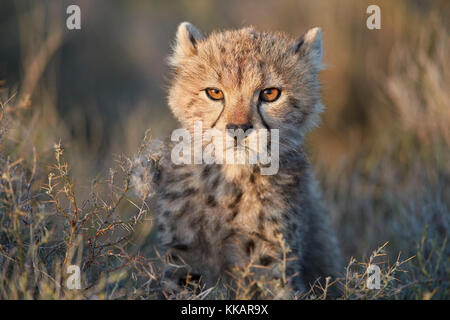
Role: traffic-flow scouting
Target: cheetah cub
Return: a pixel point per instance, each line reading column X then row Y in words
column 216, row 219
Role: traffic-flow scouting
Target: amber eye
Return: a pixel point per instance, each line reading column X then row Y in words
column 270, row 94
column 214, row 94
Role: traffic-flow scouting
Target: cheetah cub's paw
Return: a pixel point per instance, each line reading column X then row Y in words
column 146, row 168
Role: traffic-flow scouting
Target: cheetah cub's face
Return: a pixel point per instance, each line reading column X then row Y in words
column 247, row 79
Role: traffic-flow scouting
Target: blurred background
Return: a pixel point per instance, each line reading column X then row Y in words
column 381, row 152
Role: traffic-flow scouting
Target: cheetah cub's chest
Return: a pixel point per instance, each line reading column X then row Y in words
column 209, row 220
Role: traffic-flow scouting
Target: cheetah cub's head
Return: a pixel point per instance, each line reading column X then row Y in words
column 247, row 79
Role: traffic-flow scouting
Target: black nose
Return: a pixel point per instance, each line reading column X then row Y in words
column 244, row 126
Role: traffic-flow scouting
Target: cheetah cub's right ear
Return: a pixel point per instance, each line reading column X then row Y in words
column 186, row 42
column 309, row 47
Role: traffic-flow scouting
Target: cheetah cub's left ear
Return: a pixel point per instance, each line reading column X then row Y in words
column 309, row 47
column 186, row 42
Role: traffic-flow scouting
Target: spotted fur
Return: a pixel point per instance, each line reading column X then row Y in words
column 215, row 217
